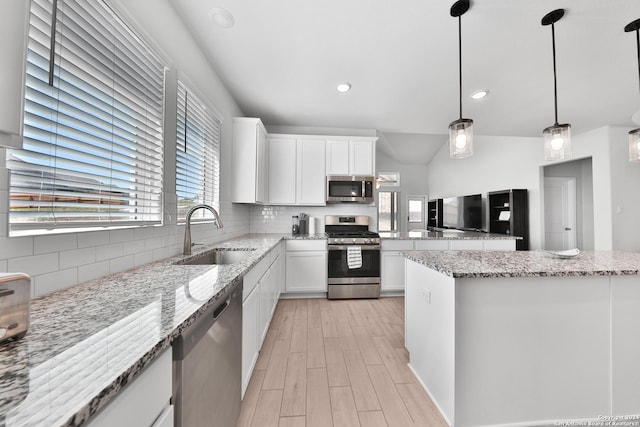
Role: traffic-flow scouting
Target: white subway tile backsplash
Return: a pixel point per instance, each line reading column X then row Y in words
column 77, row 257
column 109, row 251
column 117, row 265
column 55, row 243
column 51, row 282
column 134, row 247
column 35, row 265
column 142, row 258
column 15, row 247
column 154, row 243
column 143, row 233
column 93, row 271
column 122, row 235
column 277, row 219
column 62, row 260
column 93, row 238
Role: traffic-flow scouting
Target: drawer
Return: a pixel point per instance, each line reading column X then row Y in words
column 467, row 245
column 253, row 276
column 397, row 245
column 306, row 245
column 500, row 245
column 432, row 245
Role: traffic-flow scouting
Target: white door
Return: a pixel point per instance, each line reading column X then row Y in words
column 559, row 213
column 416, row 217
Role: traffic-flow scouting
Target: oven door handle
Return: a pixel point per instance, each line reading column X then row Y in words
column 344, row 247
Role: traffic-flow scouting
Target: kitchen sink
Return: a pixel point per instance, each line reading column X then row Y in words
column 218, row 256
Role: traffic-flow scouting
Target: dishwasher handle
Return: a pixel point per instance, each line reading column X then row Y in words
column 221, row 308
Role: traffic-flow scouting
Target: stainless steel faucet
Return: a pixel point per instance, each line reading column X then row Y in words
column 187, row 229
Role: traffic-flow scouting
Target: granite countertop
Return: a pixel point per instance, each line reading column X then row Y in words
column 87, row 342
column 444, row 235
column 480, row 264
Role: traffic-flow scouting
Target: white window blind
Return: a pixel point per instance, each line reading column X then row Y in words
column 92, row 152
column 197, row 154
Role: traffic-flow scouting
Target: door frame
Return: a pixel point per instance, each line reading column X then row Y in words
column 424, row 210
column 570, row 197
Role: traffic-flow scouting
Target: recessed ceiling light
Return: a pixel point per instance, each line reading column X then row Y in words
column 343, row 87
column 479, row 94
column 222, row 17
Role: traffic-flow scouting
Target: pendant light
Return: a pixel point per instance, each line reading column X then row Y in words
column 557, row 138
column 461, row 130
column 634, row 135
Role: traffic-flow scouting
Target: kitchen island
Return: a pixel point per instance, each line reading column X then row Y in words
column 524, row 338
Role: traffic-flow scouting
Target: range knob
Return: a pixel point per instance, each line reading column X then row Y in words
column 367, row 240
column 341, row 240
column 354, row 240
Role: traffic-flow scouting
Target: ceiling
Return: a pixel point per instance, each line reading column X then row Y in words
column 283, row 59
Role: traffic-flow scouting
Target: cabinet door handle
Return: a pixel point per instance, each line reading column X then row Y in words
column 567, row 228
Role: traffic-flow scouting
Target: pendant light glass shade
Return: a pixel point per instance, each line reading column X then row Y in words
column 557, row 142
column 461, row 138
column 634, row 145
column 634, row 135
column 461, row 130
column 557, row 138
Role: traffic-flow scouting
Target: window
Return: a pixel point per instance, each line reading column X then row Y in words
column 197, row 154
column 387, row 210
column 92, row 150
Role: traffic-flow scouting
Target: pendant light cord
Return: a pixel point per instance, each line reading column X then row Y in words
column 555, row 83
column 638, row 48
column 460, row 59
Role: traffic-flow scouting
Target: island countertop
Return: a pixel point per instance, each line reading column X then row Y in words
column 87, row 342
column 478, row 264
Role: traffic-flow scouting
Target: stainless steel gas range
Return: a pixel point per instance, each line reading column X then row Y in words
column 354, row 257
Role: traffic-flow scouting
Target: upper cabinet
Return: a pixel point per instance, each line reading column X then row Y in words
column 351, row 156
column 296, row 170
column 249, row 160
column 282, row 170
column 13, row 42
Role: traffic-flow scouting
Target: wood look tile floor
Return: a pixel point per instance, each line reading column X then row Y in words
column 338, row 363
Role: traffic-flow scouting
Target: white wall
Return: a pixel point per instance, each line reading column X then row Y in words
column 498, row 163
column 413, row 182
column 514, row 162
column 625, row 193
column 57, row 261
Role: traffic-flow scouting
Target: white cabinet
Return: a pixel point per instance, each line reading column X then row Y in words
column 311, row 187
column 392, row 259
column 296, row 170
column 13, row 41
column 392, row 264
column 261, row 290
column 250, row 346
column 337, row 157
column 249, row 160
column 306, row 266
column 282, row 171
column 351, row 156
column 144, row 402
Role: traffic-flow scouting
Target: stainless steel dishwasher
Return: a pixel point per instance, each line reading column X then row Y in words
column 207, row 369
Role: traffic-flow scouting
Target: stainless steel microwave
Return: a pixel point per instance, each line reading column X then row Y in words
column 350, row 188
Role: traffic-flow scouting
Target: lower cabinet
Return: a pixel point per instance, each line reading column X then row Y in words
column 306, row 266
column 392, row 258
column 261, row 290
column 144, row 402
